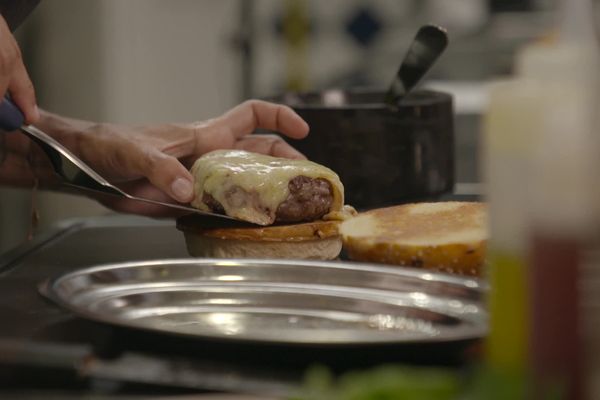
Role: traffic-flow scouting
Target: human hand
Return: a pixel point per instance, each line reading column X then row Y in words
column 153, row 161
column 14, row 77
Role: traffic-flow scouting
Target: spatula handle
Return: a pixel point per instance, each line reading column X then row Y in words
column 11, row 118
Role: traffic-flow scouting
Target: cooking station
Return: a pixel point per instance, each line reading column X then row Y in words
column 44, row 347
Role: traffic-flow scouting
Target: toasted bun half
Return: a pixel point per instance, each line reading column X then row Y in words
column 318, row 240
column 445, row 236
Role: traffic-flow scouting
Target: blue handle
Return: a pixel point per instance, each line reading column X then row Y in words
column 11, row 118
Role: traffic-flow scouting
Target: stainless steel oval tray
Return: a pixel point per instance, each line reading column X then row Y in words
column 275, row 301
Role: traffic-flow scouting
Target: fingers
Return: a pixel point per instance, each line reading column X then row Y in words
column 14, row 77
column 23, row 94
column 167, row 174
column 163, row 171
column 269, row 144
column 253, row 114
column 7, row 56
column 4, row 81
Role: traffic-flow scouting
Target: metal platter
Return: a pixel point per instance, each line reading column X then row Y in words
column 277, row 301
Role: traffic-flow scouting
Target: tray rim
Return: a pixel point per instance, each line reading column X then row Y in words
column 45, row 288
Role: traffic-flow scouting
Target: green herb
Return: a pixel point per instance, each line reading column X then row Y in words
column 383, row 383
column 396, row 382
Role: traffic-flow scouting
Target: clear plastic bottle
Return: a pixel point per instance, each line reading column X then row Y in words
column 542, row 157
column 508, row 144
column 562, row 197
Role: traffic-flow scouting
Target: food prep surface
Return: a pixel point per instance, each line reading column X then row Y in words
column 43, row 341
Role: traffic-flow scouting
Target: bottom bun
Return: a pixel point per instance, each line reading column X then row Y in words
column 317, row 240
column 204, row 246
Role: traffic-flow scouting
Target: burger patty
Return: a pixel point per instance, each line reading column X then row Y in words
column 309, row 199
column 212, row 203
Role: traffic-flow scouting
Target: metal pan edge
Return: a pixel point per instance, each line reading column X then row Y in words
column 47, row 289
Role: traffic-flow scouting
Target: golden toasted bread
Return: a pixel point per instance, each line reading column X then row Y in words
column 311, row 240
column 446, row 236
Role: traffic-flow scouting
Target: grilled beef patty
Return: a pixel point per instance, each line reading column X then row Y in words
column 309, row 199
column 212, row 203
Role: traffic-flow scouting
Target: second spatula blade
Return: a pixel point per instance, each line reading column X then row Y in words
column 428, row 44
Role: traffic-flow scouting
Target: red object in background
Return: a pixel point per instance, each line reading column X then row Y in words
column 556, row 340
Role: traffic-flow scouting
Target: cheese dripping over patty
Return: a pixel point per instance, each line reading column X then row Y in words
column 251, row 186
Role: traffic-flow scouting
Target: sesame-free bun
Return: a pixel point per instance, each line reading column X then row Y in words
column 445, row 236
column 317, row 240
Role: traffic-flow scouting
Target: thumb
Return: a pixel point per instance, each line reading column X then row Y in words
column 169, row 175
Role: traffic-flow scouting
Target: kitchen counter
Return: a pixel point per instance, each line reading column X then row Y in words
column 45, row 347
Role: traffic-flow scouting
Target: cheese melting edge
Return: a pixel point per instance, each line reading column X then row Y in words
column 264, row 180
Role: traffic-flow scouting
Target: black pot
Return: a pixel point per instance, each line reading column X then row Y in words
column 383, row 156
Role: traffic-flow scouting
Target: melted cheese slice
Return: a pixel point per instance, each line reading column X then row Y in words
column 251, row 186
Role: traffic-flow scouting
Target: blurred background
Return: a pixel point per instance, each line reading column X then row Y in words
column 183, row 60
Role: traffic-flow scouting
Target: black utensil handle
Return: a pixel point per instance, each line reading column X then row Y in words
column 428, row 44
column 11, row 118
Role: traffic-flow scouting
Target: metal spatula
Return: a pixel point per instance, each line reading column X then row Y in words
column 69, row 169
